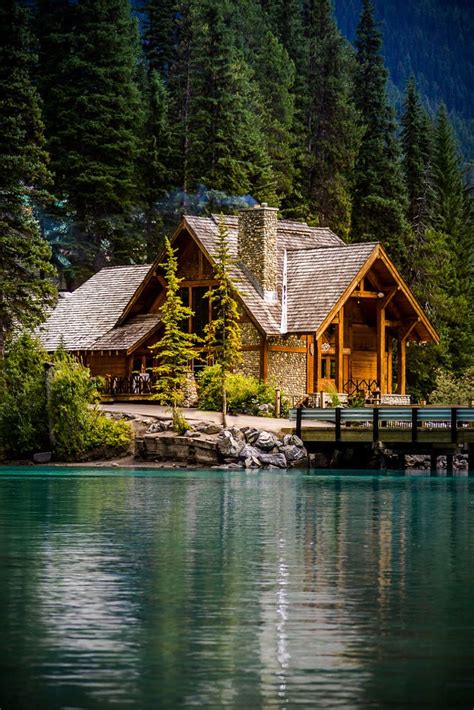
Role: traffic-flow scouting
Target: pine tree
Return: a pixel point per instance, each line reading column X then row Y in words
column 275, row 74
column 155, row 160
column 223, row 332
column 379, row 199
column 159, row 35
column 219, row 118
column 448, row 179
column 93, row 139
column 331, row 121
column 417, row 147
column 26, row 288
column 176, row 348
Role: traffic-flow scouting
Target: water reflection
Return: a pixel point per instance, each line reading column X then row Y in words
column 234, row 590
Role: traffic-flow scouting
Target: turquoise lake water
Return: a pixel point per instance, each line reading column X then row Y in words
column 170, row 589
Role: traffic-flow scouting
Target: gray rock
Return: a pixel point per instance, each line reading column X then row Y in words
column 248, row 451
column 277, row 460
column 252, row 435
column 192, row 434
column 266, row 408
column 42, row 457
column 266, row 441
column 252, row 462
column 293, row 453
column 227, row 445
column 212, row 429
column 293, row 440
column 236, row 433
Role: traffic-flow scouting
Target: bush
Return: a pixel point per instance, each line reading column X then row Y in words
column 77, row 426
column 245, row 394
column 23, row 420
column 451, row 390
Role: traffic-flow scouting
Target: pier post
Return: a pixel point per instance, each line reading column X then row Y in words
column 338, row 424
column 414, row 425
column 454, row 425
column 449, row 464
column 298, row 421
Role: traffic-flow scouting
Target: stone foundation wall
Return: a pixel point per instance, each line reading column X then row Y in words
column 250, row 364
column 288, row 370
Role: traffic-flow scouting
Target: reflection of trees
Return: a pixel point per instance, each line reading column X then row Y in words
column 242, row 590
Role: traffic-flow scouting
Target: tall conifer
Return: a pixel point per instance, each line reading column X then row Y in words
column 379, row 199
column 417, row 146
column 25, row 273
column 94, row 137
column 331, row 121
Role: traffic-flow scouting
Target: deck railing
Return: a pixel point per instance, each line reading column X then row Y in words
column 377, row 418
column 135, row 384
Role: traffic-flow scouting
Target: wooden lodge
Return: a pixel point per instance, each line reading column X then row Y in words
column 317, row 314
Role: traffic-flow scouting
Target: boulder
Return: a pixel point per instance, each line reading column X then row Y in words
column 227, row 445
column 266, row 441
column 293, row 440
column 249, row 451
column 252, row 462
column 212, row 429
column 192, row 434
column 277, row 460
column 293, row 453
column 251, row 435
column 42, row 457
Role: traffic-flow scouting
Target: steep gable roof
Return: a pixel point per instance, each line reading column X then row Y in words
column 92, row 310
column 290, row 235
column 317, row 278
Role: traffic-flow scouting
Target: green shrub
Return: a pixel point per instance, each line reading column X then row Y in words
column 23, row 420
column 451, row 390
column 77, row 426
column 244, row 393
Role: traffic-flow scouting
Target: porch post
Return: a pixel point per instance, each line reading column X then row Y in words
column 310, row 344
column 264, row 359
column 317, row 363
column 402, row 363
column 340, row 352
column 381, row 373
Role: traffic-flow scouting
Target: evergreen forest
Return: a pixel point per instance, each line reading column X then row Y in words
column 116, row 118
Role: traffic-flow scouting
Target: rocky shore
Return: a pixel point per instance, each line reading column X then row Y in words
column 229, row 448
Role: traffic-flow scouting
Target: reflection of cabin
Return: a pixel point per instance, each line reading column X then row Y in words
column 316, row 312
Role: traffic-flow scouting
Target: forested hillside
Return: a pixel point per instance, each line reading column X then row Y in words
column 433, row 40
column 119, row 121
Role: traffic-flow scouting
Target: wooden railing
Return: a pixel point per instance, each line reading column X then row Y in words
column 413, row 418
column 360, row 387
column 135, row 384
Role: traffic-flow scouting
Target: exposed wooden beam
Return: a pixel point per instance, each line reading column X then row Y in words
column 310, row 363
column 340, row 352
column 287, row 348
column 317, row 362
column 381, row 375
column 394, row 323
column 389, row 296
column 364, row 294
column 402, row 365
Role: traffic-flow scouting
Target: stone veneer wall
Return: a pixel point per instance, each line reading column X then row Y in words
column 251, row 358
column 288, row 370
column 250, row 364
column 257, row 245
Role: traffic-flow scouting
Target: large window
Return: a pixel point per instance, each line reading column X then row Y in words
column 196, row 298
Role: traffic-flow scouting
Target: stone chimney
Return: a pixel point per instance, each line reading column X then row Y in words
column 257, row 247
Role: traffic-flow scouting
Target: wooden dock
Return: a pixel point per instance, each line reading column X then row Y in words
column 434, row 431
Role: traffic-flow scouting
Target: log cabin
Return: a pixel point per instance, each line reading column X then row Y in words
column 316, row 314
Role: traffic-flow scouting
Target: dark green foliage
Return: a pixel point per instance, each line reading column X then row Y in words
column 379, row 202
column 159, row 35
column 176, row 347
column 331, row 120
column 155, row 160
column 25, row 286
column 244, row 394
column 222, row 132
column 23, row 420
column 93, row 139
column 417, row 146
column 223, row 332
column 78, row 429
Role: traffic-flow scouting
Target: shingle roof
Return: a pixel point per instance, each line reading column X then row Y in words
column 290, row 236
column 317, row 278
column 92, row 310
column 123, row 337
column 320, row 268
